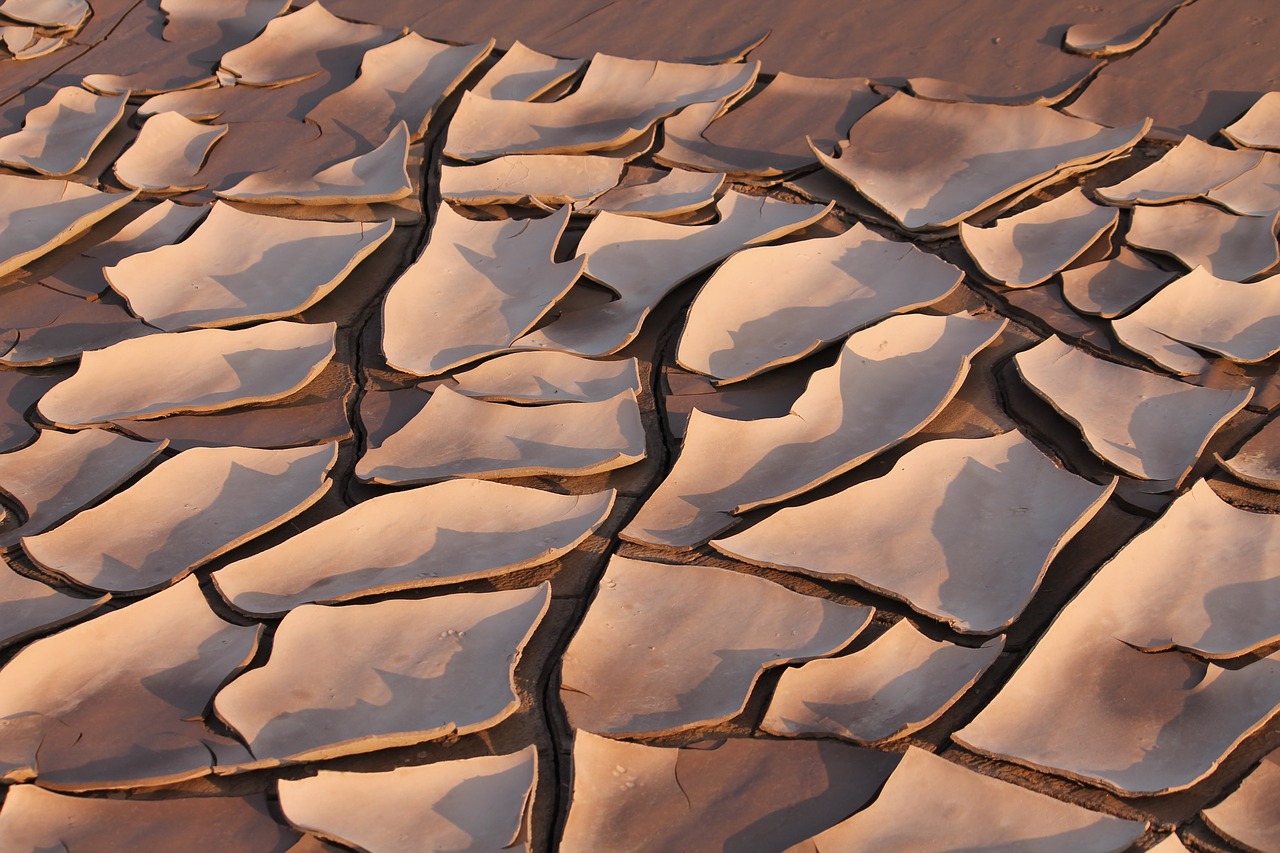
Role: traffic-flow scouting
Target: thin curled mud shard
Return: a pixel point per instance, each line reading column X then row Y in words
column 55, row 14
column 930, row 164
column 196, row 505
column 21, row 389
column 1112, row 38
column 118, row 701
column 671, row 194
column 475, row 289
column 200, row 371
column 1110, row 288
column 524, row 74
column 60, row 473
column 765, row 136
column 34, row 819
column 1260, row 126
column 453, row 531
column 771, row 305
column 889, row 381
column 617, row 102
column 29, row 607
column 1146, row 425
column 1151, row 625
column 361, row 677
column 1200, row 311
column 159, row 225
column 290, row 47
column 36, row 46
column 738, row 795
column 57, row 138
column 479, row 804
column 1030, row 247
column 47, row 326
column 380, row 175
column 1248, row 815
column 897, row 685
column 642, row 261
column 667, row 648
column 38, row 215
column 168, row 154
column 1191, row 169
column 404, row 81
column 962, row 530
column 196, row 34
column 1256, row 192
column 1183, row 597
column 458, row 436
column 277, row 268
column 548, row 377
column 540, row 179
column 1257, row 462
column 983, row 814
column 1228, row 246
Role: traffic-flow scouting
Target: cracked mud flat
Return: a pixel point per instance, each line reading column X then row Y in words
column 639, row 426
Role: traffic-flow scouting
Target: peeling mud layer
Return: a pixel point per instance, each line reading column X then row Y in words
column 639, row 426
